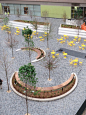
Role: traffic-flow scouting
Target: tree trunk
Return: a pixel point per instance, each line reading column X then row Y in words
column 12, row 50
column 7, row 79
column 12, row 45
column 49, row 73
column 29, row 53
column 26, row 99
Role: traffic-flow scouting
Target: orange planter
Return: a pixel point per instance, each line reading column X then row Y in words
column 83, row 27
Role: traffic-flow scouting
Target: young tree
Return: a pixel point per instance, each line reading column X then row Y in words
column 6, row 66
column 18, row 14
column 35, row 24
column 12, row 43
column 27, row 74
column 6, row 29
column 45, row 14
column 5, row 20
column 64, row 16
column 31, row 14
column 78, row 16
column 49, row 63
column 47, row 34
column 26, row 32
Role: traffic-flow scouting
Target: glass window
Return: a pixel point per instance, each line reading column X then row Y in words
column 6, row 9
column 25, row 10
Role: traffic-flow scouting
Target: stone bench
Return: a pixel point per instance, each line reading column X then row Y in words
column 45, row 88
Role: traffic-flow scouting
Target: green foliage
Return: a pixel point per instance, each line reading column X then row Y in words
column 78, row 13
column 26, row 31
column 36, row 92
column 27, row 73
column 5, row 20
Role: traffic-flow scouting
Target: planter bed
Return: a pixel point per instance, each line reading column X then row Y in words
column 32, row 22
column 70, row 26
column 71, row 31
column 45, row 93
column 21, row 25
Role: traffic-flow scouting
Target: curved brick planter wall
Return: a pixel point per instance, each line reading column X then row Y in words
column 73, row 75
column 45, row 88
column 39, row 52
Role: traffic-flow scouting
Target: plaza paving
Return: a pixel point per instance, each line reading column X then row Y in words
column 12, row 104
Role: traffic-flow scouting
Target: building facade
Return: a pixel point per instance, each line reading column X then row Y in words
column 55, row 9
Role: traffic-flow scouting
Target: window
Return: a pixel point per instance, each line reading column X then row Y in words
column 77, row 12
column 25, row 10
column 6, row 9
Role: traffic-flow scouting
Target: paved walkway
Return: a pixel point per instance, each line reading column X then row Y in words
column 12, row 104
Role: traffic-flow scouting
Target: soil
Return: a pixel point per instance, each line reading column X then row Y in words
column 44, row 94
column 70, row 26
column 32, row 22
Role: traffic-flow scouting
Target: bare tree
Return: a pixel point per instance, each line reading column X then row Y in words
column 12, row 42
column 49, row 63
column 35, row 24
column 45, row 14
column 31, row 14
column 18, row 14
column 64, row 16
column 6, row 65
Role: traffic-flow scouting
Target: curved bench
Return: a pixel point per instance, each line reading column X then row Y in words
column 45, row 88
column 39, row 51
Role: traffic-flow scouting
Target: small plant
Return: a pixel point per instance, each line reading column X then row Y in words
column 20, row 85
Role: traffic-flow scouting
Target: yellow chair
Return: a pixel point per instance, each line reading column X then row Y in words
column 53, row 56
column 70, row 44
column 57, row 55
column 84, row 40
column 42, row 39
column 75, row 39
column 83, row 48
column 71, row 63
column 63, row 52
column 62, row 42
column 79, row 39
column 80, row 48
column 80, row 63
column 75, row 64
column 67, row 37
column 73, row 44
column 57, row 40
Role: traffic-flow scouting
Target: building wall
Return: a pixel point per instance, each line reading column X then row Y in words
column 0, row 8
column 56, row 11
column 34, row 9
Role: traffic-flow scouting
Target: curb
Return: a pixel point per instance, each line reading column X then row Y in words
column 48, row 99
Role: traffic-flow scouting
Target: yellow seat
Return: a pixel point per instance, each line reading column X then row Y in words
column 67, row 37
column 73, row 44
column 53, row 56
column 80, row 63
column 75, row 64
column 57, row 39
column 62, row 42
column 63, row 52
column 57, row 55
column 65, row 56
column 80, row 48
column 79, row 39
column 75, row 39
column 71, row 62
